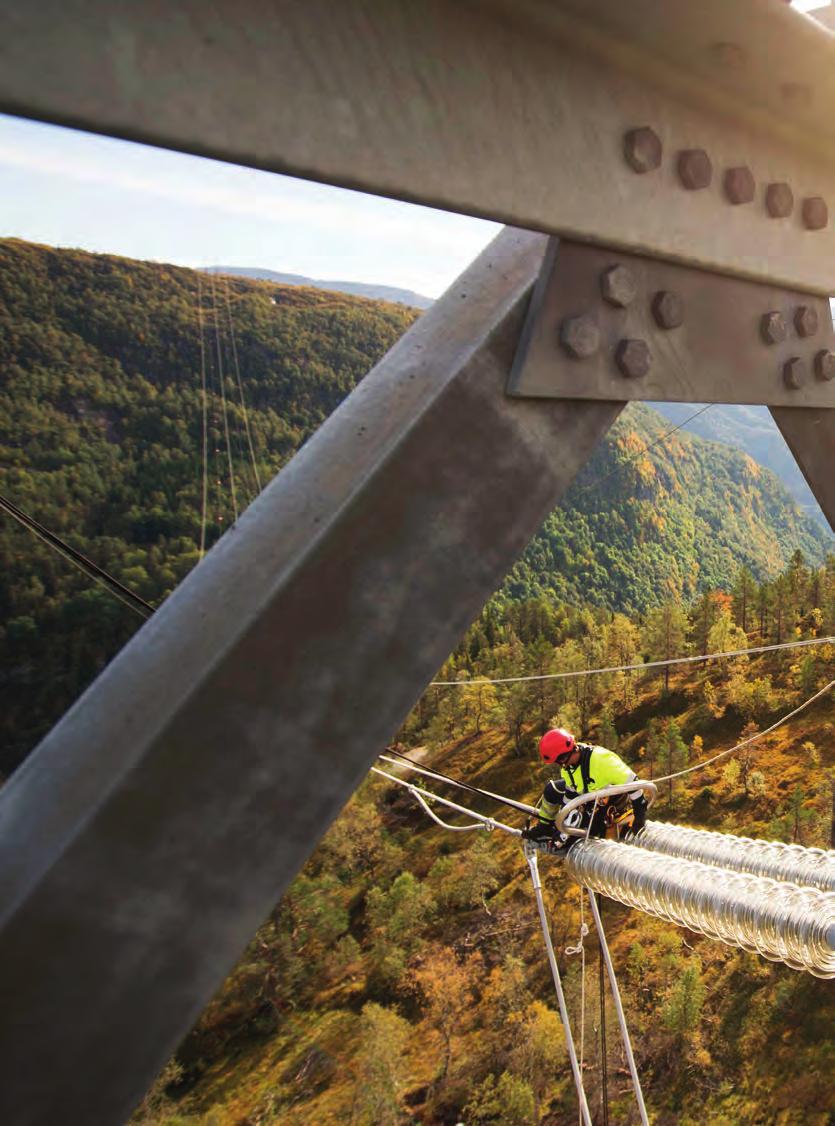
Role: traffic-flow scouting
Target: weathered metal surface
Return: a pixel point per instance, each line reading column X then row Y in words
column 517, row 110
column 153, row 829
column 682, row 335
column 810, row 435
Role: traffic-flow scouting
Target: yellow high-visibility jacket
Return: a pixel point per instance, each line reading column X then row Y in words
column 598, row 767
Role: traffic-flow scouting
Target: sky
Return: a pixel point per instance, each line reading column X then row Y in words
column 67, row 188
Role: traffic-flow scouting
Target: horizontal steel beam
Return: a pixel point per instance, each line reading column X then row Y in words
column 512, row 109
column 153, row 829
column 604, row 325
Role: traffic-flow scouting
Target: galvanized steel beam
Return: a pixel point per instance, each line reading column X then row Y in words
column 153, row 829
column 518, row 110
column 810, row 435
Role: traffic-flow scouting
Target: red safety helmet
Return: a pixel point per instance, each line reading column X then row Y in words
column 556, row 744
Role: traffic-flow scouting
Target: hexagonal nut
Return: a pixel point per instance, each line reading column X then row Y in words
column 825, row 365
column 806, row 320
column 779, row 201
column 580, row 337
column 815, row 213
column 739, row 184
column 694, row 169
column 794, row 373
column 633, row 358
column 668, row 309
column 773, row 328
column 643, row 149
column 618, row 286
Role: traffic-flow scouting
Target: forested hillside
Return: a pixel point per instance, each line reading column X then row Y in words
column 403, row 978
column 101, row 440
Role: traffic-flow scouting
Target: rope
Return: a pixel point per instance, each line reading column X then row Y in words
column 829, row 640
column 490, row 822
column 624, row 1031
column 223, row 401
column 87, row 566
column 205, row 417
column 585, row 1116
column 240, row 386
column 444, row 824
column 751, row 738
column 644, row 449
column 521, row 806
column 604, row 1063
column 580, row 949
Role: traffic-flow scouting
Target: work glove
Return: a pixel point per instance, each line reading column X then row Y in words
column 539, row 831
column 639, row 815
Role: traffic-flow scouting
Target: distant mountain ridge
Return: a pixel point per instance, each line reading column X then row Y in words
column 357, row 289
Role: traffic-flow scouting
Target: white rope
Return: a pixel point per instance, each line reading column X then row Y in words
column 444, row 824
column 580, row 949
column 624, row 1031
column 205, row 416
column 240, row 386
column 750, row 739
column 533, row 863
column 632, row 668
column 523, row 807
column 223, row 401
column 490, row 822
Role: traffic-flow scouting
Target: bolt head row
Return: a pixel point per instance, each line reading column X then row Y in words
column 580, row 337
column 795, row 370
column 643, row 151
column 775, row 330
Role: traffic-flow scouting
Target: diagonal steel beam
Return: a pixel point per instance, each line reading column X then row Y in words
column 517, row 110
column 810, row 435
column 153, row 829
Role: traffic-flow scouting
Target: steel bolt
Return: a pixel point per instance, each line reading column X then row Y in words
column 806, row 320
column 825, row 365
column 633, row 358
column 694, row 169
column 773, row 328
column 779, row 201
column 668, row 309
column 815, row 213
column 618, row 287
column 739, row 184
column 580, row 337
column 642, row 149
column 794, row 373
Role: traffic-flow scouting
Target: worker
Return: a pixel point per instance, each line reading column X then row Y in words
column 585, row 768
